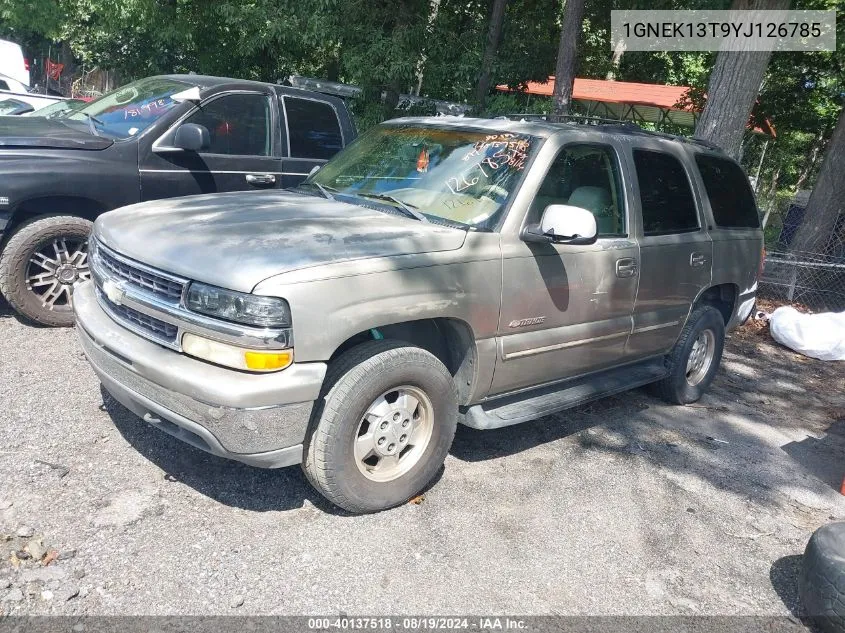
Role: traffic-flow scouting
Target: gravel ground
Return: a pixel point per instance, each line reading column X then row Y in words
column 626, row 506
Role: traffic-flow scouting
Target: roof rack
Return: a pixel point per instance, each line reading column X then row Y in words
column 629, row 127
column 321, row 85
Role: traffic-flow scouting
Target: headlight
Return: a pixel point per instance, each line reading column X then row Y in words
column 237, row 357
column 238, row 306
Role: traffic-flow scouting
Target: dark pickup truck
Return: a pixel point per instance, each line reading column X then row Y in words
column 159, row 137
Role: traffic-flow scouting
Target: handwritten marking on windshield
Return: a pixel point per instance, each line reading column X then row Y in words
column 510, row 150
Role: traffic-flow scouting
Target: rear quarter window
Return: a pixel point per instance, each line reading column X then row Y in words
column 729, row 192
column 313, row 128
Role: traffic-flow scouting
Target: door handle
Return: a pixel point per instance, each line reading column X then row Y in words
column 697, row 259
column 626, row 267
column 261, row 180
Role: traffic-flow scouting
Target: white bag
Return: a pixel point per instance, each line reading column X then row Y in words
column 820, row 336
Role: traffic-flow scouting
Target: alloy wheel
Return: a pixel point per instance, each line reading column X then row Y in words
column 701, row 357
column 55, row 268
column 393, row 433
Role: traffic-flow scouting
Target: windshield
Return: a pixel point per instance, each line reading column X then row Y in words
column 129, row 110
column 459, row 175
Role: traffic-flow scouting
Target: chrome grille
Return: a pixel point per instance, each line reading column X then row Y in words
column 156, row 284
column 154, row 328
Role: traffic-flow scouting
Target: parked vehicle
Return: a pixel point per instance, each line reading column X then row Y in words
column 14, row 107
column 158, row 137
column 12, row 89
column 12, row 62
column 438, row 270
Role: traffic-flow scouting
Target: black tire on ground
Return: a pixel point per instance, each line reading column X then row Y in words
column 30, row 237
column 821, row 585
column 676, row 387
column 354, row 381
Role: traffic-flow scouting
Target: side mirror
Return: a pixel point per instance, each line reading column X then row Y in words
column 563, row 224
column 192, row 137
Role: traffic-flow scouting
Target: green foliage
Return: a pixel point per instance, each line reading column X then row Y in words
column 395, row 46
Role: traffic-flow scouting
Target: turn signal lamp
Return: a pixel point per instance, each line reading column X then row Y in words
column 234, row 356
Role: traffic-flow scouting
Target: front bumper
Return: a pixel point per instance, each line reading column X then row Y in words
column 258, row 419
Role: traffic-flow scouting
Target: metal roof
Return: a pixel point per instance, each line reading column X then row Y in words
column 628, row 101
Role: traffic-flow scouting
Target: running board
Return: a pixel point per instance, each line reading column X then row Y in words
column 530, row 405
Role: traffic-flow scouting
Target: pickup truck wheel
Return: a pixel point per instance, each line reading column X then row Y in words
column 694, row 360
column 383, row 427
column 40, row 265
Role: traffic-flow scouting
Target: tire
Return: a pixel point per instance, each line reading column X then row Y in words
column 356, row 381
column 681, row 386
column 46, row 234
column 821, row 585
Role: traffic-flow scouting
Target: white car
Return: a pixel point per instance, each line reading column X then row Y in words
column 12, row 62
column 15, row 90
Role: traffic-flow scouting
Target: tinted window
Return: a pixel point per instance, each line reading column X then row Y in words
column 3, row 85
column 729, row 192
column 238, row 124
column 313, row 128
column 585, row 176
column 665, row 194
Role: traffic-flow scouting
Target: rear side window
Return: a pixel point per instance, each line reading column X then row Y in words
column 313, row 129
column 665, row 195
column 729, row 192
column 3, row 85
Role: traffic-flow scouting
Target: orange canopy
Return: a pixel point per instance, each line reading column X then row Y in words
column 626, row 100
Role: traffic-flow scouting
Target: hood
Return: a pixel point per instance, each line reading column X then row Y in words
column 33, row 131
column 236, row 240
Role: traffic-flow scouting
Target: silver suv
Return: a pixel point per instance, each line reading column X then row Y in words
column 438, row 270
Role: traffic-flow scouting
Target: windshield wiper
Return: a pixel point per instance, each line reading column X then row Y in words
column 91, row 120
column 321, row 188
column 409, row 210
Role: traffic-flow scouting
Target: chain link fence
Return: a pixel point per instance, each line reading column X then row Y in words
column 815, row 279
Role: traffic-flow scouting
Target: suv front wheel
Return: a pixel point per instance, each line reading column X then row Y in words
column 383, row 426
column 694, row 360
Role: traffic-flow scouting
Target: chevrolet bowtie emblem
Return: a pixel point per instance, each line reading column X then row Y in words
column 113, row 291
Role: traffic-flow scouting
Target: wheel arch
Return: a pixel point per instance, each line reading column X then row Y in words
column 77, row 206
column 451, row 340
column 723, row 297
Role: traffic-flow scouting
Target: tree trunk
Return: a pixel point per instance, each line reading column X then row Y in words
column 567, row 55
column 616, row 60
column 394, row 85
column 818, row 143
column 491, row 47
column 434, row 10
column 827, row 201
column 733, row 87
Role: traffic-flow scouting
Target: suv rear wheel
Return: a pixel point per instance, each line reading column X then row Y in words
column 695, row 358
column 383, row 427
column 40, row 265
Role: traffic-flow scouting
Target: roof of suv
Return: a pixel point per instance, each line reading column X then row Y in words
column 545, row 129
column 208, row 81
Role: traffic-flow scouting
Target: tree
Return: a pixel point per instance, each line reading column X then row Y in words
column 491, row 46
column 827, row 201
column 733, row 88
column 567, row 55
